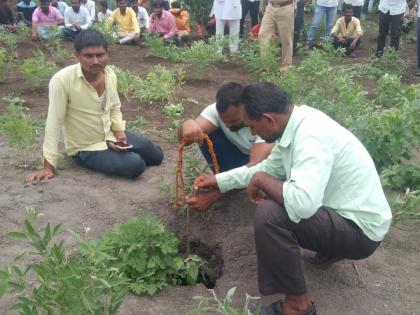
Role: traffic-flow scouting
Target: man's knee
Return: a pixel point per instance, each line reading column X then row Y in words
column 269, row 213
column 135, row 167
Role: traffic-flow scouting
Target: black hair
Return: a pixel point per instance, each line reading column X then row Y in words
column 176, row 5
column 44, row 1
column 264, row 97
column 347, row 6
column 228, row 94
column 157, row 3
column 89, row 38
column 104, row 3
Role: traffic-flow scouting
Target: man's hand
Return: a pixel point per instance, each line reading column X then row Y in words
column 255, row 193
column 34, row 37
column 121, row 136
column 191, row 132
column 203, row 200
column 341, row 39
column 77, row 27
column 205, row 181
column 47, row 172
column 353, row 45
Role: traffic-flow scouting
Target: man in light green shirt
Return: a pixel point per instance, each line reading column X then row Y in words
column 85, row 105
column 318, row 189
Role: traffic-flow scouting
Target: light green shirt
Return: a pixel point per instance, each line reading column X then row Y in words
column 75, row 109
column 323, row 165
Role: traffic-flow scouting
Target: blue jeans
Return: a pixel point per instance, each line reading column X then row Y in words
column 320, row 10
column 227, row 154
column 128, row 164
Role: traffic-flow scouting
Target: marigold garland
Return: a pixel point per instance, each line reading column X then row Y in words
column 179, row 170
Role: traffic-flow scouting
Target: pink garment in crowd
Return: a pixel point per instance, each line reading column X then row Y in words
column 51, row 18
column 165, row 25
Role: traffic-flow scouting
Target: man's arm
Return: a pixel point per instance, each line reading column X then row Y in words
column 117, row 122
column 87, row 22
column 55, row 119
column 67, row 22
column 134, row 22
column 259, row 152
column 172, row 28
column 191, row 131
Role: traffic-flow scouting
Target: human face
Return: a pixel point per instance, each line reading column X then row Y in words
column 157, row 11
column 44, row 7
column 26, row 1
column 232, row 118
column 93, row 59
column 75, row 4
column 122, row 5
column 267, row 127
column 348, row 15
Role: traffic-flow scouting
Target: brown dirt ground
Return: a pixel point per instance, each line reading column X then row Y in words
column 388, row 282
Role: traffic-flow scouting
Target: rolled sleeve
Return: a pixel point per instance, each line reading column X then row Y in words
column 55, row 120
column 303, row 193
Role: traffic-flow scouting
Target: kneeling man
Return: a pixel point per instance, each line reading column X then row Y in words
column 84, row 103
column 318, row 189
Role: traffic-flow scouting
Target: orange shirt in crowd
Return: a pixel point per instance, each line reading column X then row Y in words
column 182, row 19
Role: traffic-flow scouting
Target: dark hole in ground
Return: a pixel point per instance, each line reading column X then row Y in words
column 212, row 269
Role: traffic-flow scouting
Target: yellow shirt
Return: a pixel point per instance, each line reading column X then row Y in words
column 352, row 30
column 76, row 110
column 127, row 23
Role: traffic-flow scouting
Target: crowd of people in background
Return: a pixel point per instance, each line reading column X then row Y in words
column 282, row 19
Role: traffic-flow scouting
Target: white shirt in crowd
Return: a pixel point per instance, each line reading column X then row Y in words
column 62, row 6
column 355, row 3
column 227, row 9
column 242, row 139
column 102, row 17
column 90, row 6
column 143, row 17
column 327, row 3
column 81, row 18
column 394, row 7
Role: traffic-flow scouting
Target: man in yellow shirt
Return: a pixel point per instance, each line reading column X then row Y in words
column 84, row 104
column 128, row 27
column 347, row 31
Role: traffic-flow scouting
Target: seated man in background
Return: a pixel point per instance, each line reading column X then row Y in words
column 76, row 19
column 142, row 17
column 7, row 20
column 60, row 5
column 46, row 20
column 128, row 28
column 233, row 143
column 182, row 19
column 104, row 13
column 347, row 31
column 90, row 6
column 26, row 8
column 84, row 103
column 162, row 22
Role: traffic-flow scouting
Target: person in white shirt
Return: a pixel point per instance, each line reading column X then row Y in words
column 228, row 12
column 90, row 6
column 391, row 12
column 357, row 7
column 60, row 5
column 76, row 19
column 327, row 8
column 142, row 17
column 104, row 12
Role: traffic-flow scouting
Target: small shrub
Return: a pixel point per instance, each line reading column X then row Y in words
column 401, row 177
column 390, row 62
column 389, row 90
column 9, row 41
column 124, row 81
column 107, row 31
column 157, row 48
column 37, row 68
column 406, row 206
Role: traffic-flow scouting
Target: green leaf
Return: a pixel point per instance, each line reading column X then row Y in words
column 47, row 234
column 15, row 234
column 3, row 287
column 56, row 229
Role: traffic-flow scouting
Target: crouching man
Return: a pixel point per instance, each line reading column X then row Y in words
column 318, row 190
column 84, row 103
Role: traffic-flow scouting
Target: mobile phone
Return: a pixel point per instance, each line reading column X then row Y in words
column 123, row 146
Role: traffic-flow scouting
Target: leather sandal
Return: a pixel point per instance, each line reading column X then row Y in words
column 272, row 309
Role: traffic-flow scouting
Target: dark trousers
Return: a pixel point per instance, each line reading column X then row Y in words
column 277, row 240
column 385, row 20
column 254, row 9
column 418, row 43
column 70, row 34
column 299, row 21
column 128, row 164
column 346, row 45
column 227, row 154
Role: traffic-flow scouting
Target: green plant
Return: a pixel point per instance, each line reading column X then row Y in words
column 107, row 31
column 136, row 123
column 160, row 84
column 54, row 283
column 19, row 129
column 37, row 68
column 401, row 177
column 201, row 55
column 173, row 111
column 157, row 48
column 406, row 207
column 390, row 62
column 199, row 10
column 389, row 90
column 9, row 41
column 54, row 45
column 124, row 81
column 4, row 62
column 214, row 305
column 259, row 63
column 148, row 255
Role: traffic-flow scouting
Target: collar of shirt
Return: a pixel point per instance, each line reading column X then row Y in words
column 24, row 5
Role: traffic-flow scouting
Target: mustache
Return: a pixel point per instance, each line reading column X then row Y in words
column 95, row 67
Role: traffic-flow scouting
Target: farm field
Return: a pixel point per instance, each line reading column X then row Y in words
column 385, row 283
